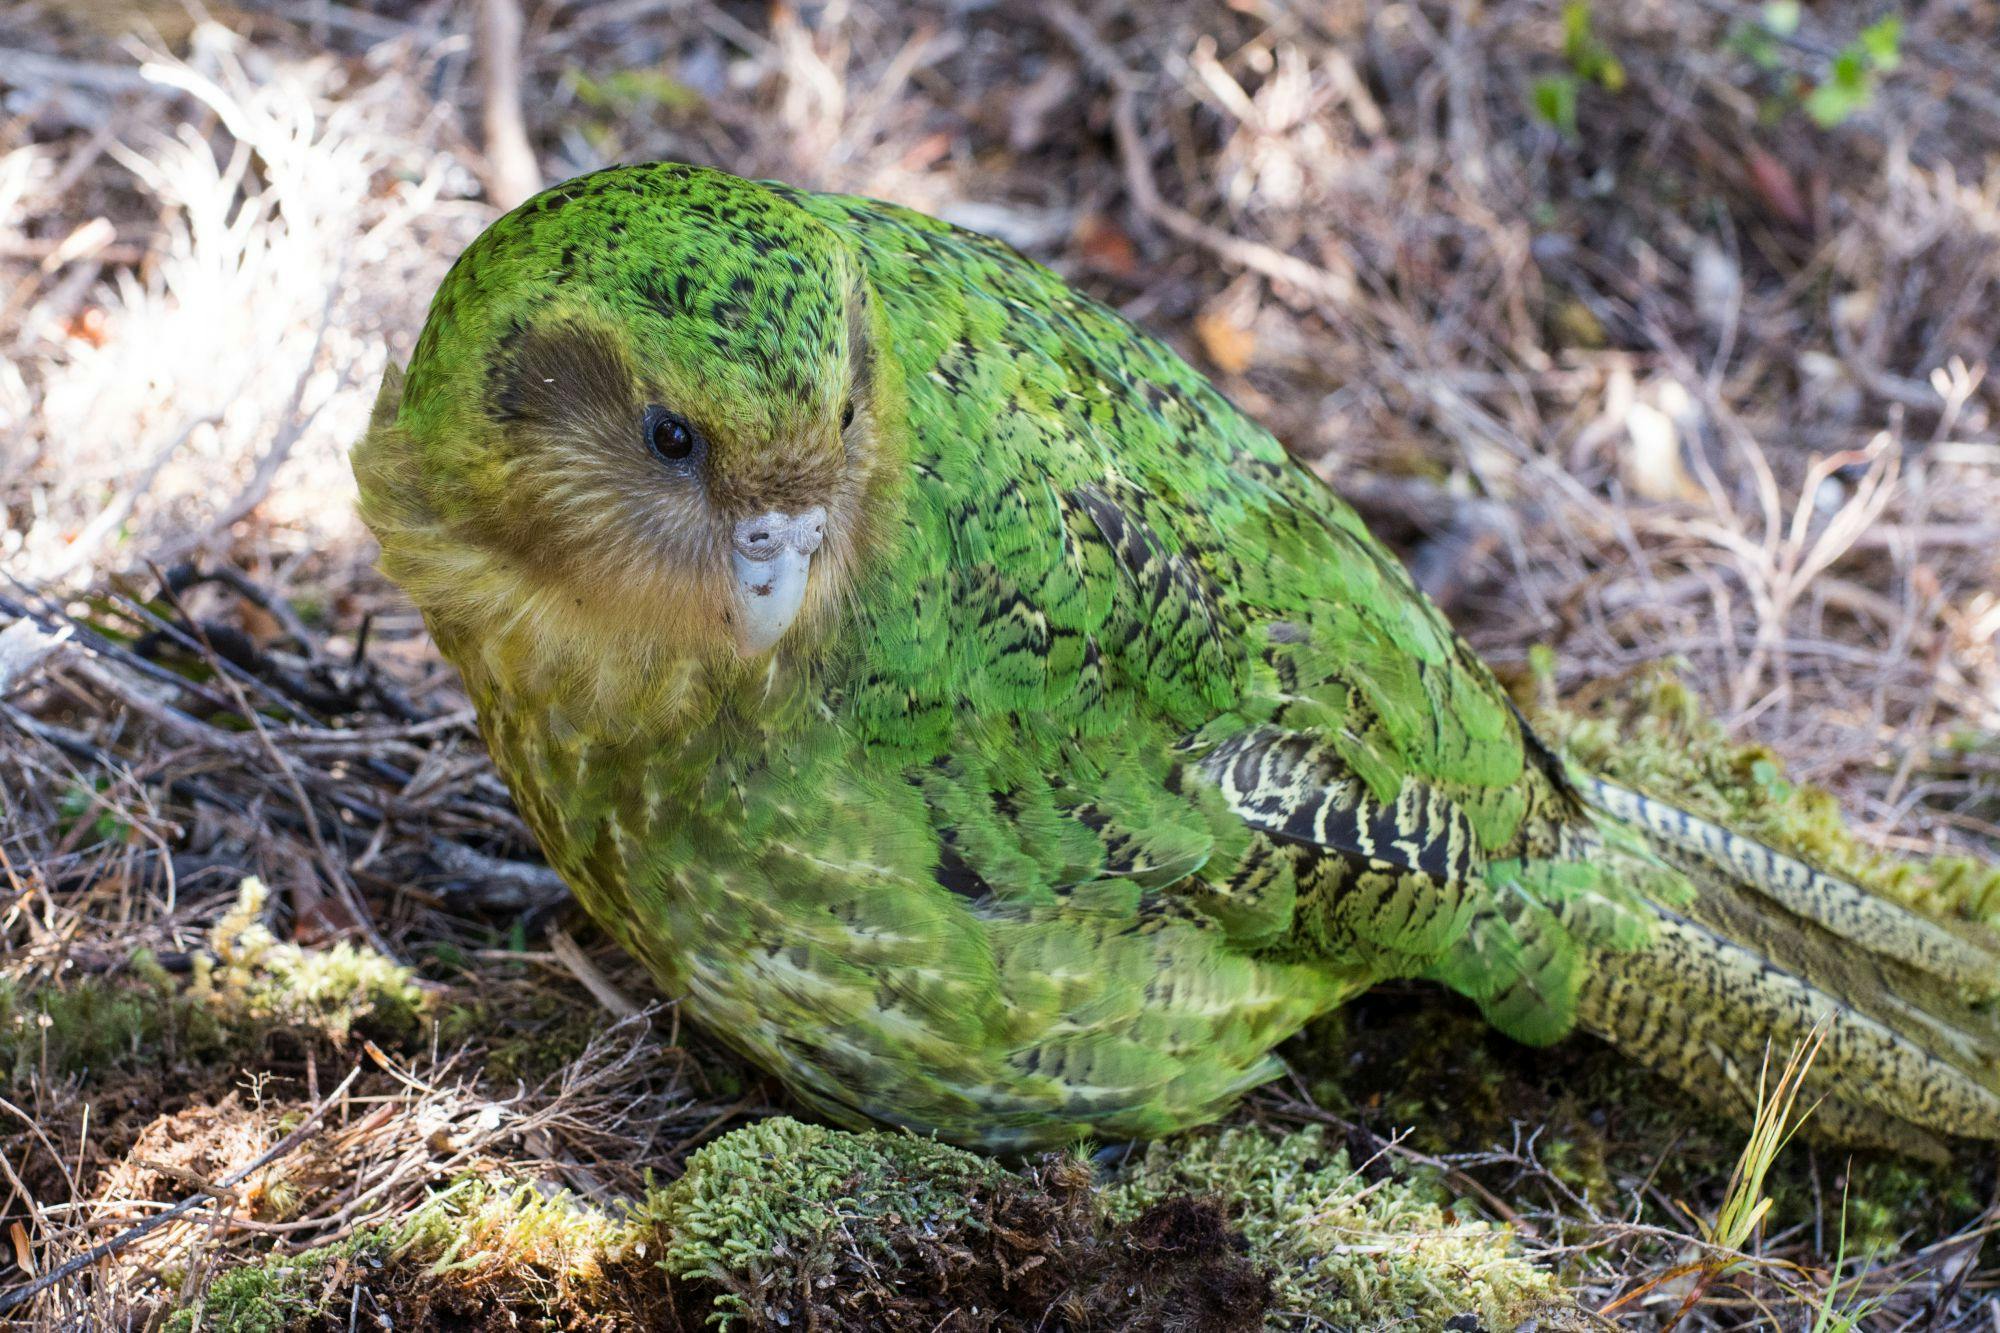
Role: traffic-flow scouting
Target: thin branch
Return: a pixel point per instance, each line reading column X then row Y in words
column 512, row 175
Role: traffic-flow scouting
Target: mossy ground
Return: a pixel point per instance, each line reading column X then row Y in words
column 788, row 1225
column 1347, row 1248
column 1577, row 1124
column 476, row 1255
column 773, row 1225
column 245, row 991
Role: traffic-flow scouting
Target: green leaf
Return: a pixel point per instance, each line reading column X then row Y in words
column 79, row 800
column 1588, row 57
column 1553, row 100
column 1848, row 88
column 628, row 90
column 1829, row 105
column 1781, row 17
column 1754, row 43
column 1766, row 775
column 75, row 802
column 447, row 954
column 1577, row 37
column 1882, row 43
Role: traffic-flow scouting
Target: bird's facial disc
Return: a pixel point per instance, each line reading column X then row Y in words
column 771, row 558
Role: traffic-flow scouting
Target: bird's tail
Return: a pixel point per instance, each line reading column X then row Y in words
column 1750, row 949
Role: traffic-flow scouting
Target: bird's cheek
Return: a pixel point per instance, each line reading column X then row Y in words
column 771, row 561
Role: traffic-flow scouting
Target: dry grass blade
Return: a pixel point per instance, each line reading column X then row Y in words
column 1777, row 1119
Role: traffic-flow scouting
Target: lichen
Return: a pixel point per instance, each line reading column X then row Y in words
column 1653, row 734
column 1347, row 1251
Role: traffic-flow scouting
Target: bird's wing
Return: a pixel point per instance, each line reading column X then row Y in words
column 1130, row 645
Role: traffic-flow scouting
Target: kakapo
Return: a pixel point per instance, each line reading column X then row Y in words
column 986, row 726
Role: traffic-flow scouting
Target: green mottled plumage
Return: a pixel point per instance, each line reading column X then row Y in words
column 1109, row 747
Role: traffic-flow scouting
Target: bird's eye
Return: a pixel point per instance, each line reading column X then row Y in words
column 670, row 437
column 847, row 414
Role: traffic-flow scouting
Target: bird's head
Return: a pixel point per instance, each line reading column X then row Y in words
column 651, row 420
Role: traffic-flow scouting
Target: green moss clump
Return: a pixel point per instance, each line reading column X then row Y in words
column 258, row 982
column 269, row 1297
column 1655, row 737
column 783, row 1224
column 788, row 1224
column 90, row 1025
column 545, row 1260
column 1346, row 1251
column 252, row 987
column 782, row 1197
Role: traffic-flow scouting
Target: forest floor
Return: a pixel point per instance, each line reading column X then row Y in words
column 1655, row 336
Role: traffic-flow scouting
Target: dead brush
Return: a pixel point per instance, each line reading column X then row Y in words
column 235, row 352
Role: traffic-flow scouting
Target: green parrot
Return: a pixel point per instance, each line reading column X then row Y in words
column 983, row 725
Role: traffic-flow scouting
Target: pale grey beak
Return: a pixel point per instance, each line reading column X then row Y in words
column 772, row 557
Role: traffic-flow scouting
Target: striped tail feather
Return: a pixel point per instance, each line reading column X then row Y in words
column 1764, row 949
